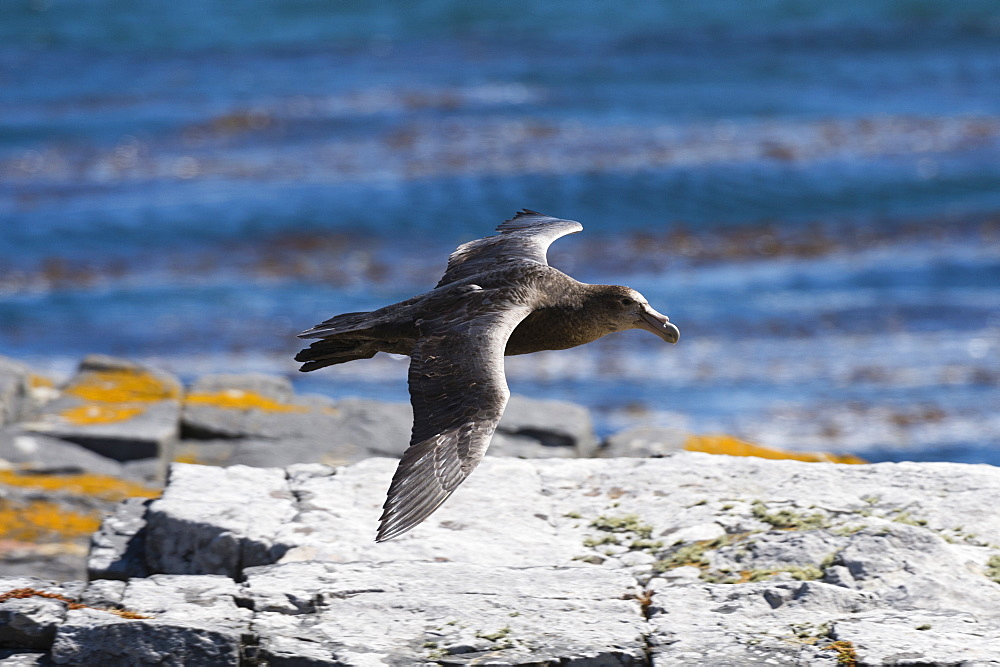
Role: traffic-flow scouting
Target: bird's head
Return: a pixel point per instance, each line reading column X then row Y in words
column 624, row 308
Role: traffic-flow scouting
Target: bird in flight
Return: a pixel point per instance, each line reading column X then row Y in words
column 498, row 297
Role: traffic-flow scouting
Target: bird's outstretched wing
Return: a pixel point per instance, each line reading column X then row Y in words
column 524, row 238
column 459, row 392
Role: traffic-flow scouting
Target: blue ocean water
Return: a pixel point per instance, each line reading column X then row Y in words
column 810, row 190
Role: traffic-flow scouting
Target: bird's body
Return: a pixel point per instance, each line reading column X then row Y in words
column 498, row 297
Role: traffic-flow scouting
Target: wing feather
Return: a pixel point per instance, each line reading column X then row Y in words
column 459, row 392
column 524, row 238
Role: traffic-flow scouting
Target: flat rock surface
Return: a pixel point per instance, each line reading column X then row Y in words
column 407, row 612
column 689, row 559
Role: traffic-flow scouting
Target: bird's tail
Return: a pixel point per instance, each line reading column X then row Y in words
column 327, row 352
column 342, row 339
column 340, row 324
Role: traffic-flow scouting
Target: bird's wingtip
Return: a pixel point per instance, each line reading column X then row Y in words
column 521, row 220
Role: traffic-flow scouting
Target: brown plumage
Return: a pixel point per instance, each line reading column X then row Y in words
column 498, row 297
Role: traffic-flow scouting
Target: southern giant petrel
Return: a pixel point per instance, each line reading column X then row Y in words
column 498, row 296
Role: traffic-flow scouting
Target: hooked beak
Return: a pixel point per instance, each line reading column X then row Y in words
column 650, row 320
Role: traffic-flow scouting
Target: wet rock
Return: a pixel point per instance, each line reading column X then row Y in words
column 116, row 408
column 333, row 613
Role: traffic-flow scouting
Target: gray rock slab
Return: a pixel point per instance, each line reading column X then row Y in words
column 101, row 363
column 42, row 453
column 911, row 567
column 104, row 593
column 275, row 387
column 413, row 612
column 116, row 408
column 316, row 429
column 30, row 623
column 644, row 442
column 253, row 406
column 281, row 430
column 338, row 514
column 525, row 447
column 192, row 621
column 890, row 637
column 748, row 561
column 553, row 424
column 19, row 658
column 217, row 520
column 69, row 589
column 15, row 390
column 118, row 548
column 56, row 561
column 784, row 623
column 376, row 428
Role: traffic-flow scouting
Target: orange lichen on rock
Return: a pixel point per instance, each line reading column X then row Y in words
column 115, row 396
column 92, row 413
column 727, row 444
column 187, row 457
column 237, row 399
column 122, row 386
column 37, row 381
column 102, row 487
column 41, row 520
column 22, row 593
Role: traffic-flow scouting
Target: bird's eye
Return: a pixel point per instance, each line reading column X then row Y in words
column 627, row 301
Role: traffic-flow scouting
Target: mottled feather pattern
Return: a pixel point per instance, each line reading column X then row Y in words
column 458, row 392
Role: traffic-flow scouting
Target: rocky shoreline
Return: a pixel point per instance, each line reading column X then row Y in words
column 260, row 550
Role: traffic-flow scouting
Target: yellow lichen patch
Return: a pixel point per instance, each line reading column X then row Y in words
column 187, row 457
column 94, row 413
column 727, row 444
column 237, row 399
column 122, row 387
column 102, row 487
column 37, row 381
column 38, row 520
